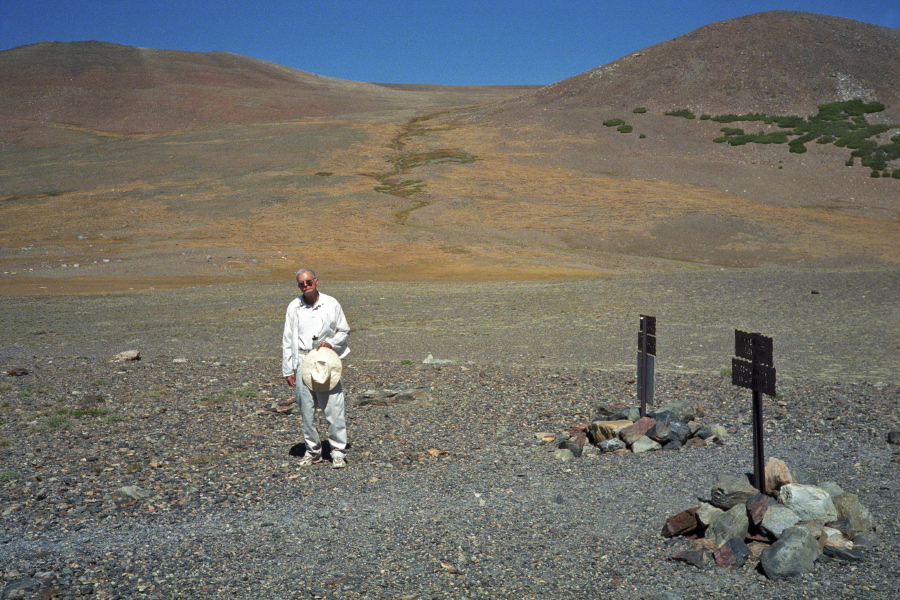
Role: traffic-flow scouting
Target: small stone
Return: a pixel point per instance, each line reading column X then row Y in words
column 634, row 432
column 844, row 554
column 733, row 553
column 600, row 431
column 682, row 523
column 680, row 410
column 734, row 523
column 893, row 438
column 127, row 355
column 698, row 558
column 707, row 513
column 833, row 489
column 866, row 540
column 611, row 445
column 644, row 444
column 563, row 455
column 757, row 506
column 777, row 475
column 778, row 517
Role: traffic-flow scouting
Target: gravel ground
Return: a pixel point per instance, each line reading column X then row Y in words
column 451, row 496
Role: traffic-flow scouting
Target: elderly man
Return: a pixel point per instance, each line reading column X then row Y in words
column 315, row 320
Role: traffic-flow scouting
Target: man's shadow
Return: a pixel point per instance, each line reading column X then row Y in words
column 300, row 449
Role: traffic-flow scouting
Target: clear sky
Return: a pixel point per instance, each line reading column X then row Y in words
column 455, row 42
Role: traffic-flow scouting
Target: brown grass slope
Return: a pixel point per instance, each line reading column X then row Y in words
column 777, row 62
column 150, row 168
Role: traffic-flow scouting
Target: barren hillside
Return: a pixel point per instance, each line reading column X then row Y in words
column 126, row 168
column 777, row 62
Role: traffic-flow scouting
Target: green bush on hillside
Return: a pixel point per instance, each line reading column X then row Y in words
column 613, row 122
column 683, row 112
column 840, row 123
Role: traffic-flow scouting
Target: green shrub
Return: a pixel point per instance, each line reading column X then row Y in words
column 613, row 122
column 639, row 110
column 875, row 174
column 683, row 112
column 642, row 136
column 625, row 129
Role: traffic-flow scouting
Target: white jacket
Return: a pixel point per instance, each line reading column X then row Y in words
column 302, row 322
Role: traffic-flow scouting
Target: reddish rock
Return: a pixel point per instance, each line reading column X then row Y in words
column 683, row 523
column 733, row 553
column 636, row 431
column 757, row 506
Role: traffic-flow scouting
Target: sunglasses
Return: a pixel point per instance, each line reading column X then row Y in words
column 306, row 283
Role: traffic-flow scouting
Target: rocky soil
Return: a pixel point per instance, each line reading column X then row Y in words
column 175, row 476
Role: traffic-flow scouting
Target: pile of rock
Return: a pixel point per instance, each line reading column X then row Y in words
column 786, row 529
column 620, row 430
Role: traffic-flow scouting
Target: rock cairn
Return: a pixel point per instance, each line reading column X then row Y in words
column 622, row 430
column 785, row 529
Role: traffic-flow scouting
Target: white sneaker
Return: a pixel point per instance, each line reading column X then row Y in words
column 338, row 462
column 309, row 459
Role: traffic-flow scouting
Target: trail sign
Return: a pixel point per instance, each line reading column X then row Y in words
column 646, row 376
column 754, row 370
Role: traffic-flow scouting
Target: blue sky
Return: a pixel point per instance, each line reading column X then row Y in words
column 454, row 42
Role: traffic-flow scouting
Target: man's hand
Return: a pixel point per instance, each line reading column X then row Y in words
column 291, row 380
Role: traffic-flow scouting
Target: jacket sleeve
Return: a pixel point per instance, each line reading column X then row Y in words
column 287, row 343
column 341, row 336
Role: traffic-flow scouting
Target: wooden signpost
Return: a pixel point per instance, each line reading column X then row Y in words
column 753, row 369
column 646, row 376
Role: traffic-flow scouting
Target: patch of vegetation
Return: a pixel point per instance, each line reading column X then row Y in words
column 90, row 412
column 613, row 122
column 624, row 128
column 639, row 110
column 682, row 112
column 115, row 418
column 246, row 392
column 213, row 400
column 403, row 189
column 56, row 421
column 100, row 382
column 324, row 173
column 405, row 361
column 7, row 476
column 840, row 123
column 5, row 442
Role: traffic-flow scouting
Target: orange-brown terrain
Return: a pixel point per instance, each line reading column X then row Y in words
column 127, row 168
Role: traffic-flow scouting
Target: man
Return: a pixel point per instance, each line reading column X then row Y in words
column 315, row 320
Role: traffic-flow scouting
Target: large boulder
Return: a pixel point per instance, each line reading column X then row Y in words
column 811, row 503
column 733, row 523
column 794, row 553
column 679, row 410
column 777, row 519
column 730, row 491
column 849, row 507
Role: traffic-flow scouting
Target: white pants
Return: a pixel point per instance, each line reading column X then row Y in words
column 332, row 404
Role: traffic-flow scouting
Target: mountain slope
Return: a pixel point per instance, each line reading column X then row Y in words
column 777, row 62
column 122, row 89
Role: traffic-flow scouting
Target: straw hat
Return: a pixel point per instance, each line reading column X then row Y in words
column 321, row 370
